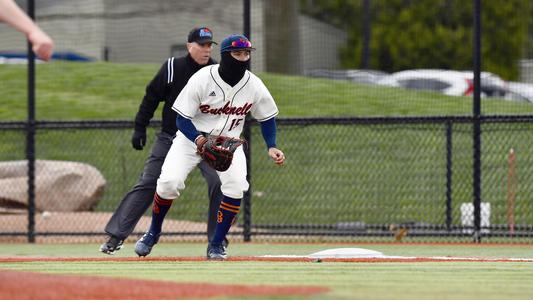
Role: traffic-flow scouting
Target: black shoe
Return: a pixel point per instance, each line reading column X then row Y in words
column 216, row 252
column 144, row 246
column 112, row 245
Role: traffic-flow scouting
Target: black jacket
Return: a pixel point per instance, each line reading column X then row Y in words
column 165, row 87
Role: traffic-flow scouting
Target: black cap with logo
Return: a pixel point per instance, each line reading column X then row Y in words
column 202, row 35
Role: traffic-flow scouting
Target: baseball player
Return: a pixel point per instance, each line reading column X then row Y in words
column 164, row 87
column 215, row 101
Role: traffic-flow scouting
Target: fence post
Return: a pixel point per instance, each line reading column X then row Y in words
column 477, row 122
column 30, row 133
column 449, row 177
column 247, row 200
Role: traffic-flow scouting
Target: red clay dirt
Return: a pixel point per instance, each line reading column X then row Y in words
column 15, row 285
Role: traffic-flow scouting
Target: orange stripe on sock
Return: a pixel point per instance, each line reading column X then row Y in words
column 229, row 209
column 229, row 205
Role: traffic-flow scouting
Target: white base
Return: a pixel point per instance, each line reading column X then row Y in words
column 347, row 253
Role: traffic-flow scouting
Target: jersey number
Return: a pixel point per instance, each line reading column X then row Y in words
column 235, row 123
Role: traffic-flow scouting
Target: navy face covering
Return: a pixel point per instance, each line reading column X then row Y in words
column 232, row 70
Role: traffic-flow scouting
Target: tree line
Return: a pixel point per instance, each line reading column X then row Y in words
column 394, row 35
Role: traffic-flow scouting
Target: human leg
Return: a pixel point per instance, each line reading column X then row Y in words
column 136, row 202
column 180, row 160
column 160, row 208
column 215, row 196
column 226, row 216
column 234, row 185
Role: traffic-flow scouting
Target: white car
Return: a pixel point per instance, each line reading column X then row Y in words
column 353, row 75
column 452, row 83
column 520, row 91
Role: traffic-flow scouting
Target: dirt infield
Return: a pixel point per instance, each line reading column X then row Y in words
column 16, row 285
column 88, row 227
column 87, row 222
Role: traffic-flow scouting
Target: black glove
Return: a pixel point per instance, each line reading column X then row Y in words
column 138, row 139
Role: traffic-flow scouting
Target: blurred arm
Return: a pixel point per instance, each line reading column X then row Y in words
column 11, row 14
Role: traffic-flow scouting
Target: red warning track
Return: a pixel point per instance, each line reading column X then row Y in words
column 16, row 285
column 7, row 259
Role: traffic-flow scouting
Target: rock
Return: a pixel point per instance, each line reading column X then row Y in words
column 59, row 185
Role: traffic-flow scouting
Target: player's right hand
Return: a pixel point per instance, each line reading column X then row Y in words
column 42, row 44
column 138, row 140
column 200, row 142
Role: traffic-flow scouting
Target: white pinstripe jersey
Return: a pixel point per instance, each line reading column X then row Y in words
column 217, row 108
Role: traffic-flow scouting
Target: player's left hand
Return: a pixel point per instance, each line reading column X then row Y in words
column 277, row 155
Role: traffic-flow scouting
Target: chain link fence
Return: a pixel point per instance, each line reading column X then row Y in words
column 345, row 179
column 381, row 178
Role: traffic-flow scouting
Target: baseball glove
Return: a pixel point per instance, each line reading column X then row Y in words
column 217, row 151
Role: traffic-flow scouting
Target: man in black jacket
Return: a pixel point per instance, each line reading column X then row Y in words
column 164, row 87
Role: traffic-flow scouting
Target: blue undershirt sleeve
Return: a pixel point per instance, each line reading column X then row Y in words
column 268, row 129
column 187, row 128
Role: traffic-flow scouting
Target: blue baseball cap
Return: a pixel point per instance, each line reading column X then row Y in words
column 235, row 42
column 201, row 35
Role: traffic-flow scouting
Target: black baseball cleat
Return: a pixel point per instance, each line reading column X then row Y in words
column 112, row 245
column 144, row 246
column 216, row 252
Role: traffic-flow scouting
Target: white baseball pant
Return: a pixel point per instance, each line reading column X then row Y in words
column 182, row 158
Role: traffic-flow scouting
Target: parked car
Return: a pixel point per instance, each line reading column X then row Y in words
column 520, row 91
column 353, row 75
column 448, row 82
column 492, row 85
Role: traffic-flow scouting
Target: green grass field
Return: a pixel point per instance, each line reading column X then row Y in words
column 399, row 281
column 84, row 91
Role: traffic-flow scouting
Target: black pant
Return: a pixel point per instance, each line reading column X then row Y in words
column 140, row 198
